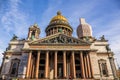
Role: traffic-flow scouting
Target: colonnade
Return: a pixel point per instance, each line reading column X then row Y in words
column 85, row 65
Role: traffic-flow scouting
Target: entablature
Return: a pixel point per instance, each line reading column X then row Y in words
column 57, row 47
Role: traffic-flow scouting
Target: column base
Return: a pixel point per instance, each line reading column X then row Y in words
column 27, row 77
column 36, row 78
column 46, row 78
column 64, row 77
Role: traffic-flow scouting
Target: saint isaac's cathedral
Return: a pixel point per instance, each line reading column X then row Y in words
column 59, row 55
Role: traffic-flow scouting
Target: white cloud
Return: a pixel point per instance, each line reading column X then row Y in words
column 111, row 31
column 73, row 13
column 1, row 56
column 49, row 12
column 115, row 46
column 14, row 20
column 105, row 24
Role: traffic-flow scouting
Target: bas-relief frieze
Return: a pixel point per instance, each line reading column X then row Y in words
column 59, row 47
column 60, row 39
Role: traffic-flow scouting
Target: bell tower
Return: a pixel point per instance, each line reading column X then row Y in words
column 84, row 30
column 34, row 32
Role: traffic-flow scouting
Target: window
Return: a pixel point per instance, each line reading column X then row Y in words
column 103, row 67
column 33, row 35
column 14, row 67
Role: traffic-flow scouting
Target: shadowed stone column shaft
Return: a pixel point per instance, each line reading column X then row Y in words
column 32, row 75
column 55, row 64
column 33, row 70
column 73, row 63
column 64, row 64
column 85, row 62
column 47, row 64
column 88, row 66
column 113, row 67
column 82, row 65
column 31, row 65
column 28, row 64
column 37, row 64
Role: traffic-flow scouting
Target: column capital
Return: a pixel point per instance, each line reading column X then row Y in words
column 56, row 51
column 73, row 51
column 30, row 51
column 47, row 50
column 39, row 51
column 64, row 51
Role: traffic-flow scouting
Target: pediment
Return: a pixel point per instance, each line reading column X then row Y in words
column 59, row 39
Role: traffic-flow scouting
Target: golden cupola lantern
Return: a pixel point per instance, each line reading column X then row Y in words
column 59, row 24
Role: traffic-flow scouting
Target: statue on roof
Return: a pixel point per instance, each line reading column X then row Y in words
column 102, row 38
column 35, row 24
column 87, row 38
column 108, row 48
column 14, row 37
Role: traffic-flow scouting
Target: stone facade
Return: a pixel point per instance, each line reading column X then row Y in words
column 59, row 55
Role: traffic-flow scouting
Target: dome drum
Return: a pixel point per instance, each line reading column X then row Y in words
column 57, row 29
column 60, row 26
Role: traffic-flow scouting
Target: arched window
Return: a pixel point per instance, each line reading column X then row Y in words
column 103, row 67
column 14, row 67
column 33, row 33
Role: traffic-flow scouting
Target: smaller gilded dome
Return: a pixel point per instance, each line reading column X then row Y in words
column 59, row 17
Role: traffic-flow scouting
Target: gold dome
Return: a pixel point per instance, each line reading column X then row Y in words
column 58, row 23
column 59, row 17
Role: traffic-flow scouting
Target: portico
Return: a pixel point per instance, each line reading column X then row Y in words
column 57, row 64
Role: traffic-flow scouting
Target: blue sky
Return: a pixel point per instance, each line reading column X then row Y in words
column 16, row 16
